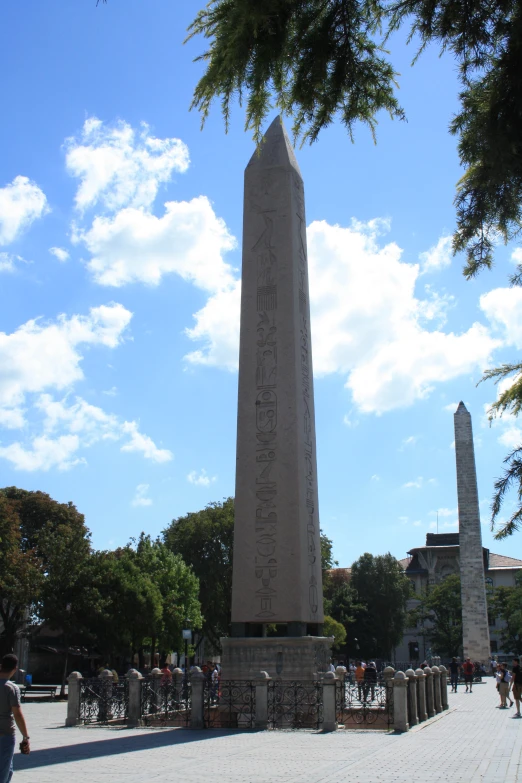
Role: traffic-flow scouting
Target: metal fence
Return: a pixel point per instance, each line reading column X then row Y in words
column 103, row 702
column 166, row 702
column 229, row 704
column 295, row 705
column 364, row 704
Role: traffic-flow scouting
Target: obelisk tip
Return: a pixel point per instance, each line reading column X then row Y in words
column 275, row 148
column 461, row 409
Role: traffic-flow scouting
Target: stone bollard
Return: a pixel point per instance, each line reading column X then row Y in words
column 436, row 689
column 400, row 702
column 421, row 695
column 262, row 681
column 73, row 698
column 197, row 680
column 430, row 696
column 134, row 679
column 104, row 709
column 413, row 714
column 443, row 687
column 329, row 713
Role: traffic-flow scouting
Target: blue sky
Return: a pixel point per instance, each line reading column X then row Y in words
column 120, row 229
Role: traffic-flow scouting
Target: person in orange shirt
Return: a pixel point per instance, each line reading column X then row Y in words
column 468, row 670
column 359, row 678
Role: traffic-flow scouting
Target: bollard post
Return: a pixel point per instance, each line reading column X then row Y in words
column 436, row 689
column 444, row 687
column 413, row 714
column 341, row 673
column 430, row 696
column 400, row 702
column 197, row 680
column 329, row 714
column 421, row 694
column 262, row 681
column 74, row 682
column 134, row 716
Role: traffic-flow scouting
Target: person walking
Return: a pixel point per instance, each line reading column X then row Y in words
column 10, row 713
column 503, row 677
column 454, row 675
column 468, row 670
column 359, row 678
column 370, row 680
column 516, row 684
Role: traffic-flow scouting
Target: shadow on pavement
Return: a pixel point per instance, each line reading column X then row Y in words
column 112, row 747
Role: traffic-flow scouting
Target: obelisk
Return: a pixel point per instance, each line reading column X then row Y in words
column 475, row 625
column 277, row 602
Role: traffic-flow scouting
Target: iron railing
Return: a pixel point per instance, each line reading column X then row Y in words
column 166, row 702
column 229, row 704
column 364, row 704
column 295, row 705
column 103, row 702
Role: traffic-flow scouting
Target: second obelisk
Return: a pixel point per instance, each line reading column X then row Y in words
column 277, row 589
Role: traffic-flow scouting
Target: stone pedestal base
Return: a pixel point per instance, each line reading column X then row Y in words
column 282, row 657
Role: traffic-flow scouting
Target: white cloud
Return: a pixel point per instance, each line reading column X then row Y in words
column 136, row 246
column 414, row 484
column 375, row 477
column 140, row 497
column 451, row 407
column 60, row 253
column 21, row 203
column 417, row 523
column 112, row 392
column 410, row 441
column 444, row 512
column 367, row 322
column 43, row 454
column 43, row 355
column 119, row 166
column 438, row 256
column 142, row 443
column 516, row 255
column 349, row 422
column 503, row 307
column 11, row 418
column 201, row 480
column 8, row 262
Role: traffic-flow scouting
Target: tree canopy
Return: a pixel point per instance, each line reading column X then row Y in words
column 506, row 603
column 318, row 60
column 441, row 608
column 382, row 591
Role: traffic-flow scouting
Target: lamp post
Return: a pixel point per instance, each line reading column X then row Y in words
column 187, row 636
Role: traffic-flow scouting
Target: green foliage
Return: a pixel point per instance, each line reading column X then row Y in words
column 506, row 603
column 333, row 628
column 47, row 547
column 382, row 591
column 204, row 540
column 318, row 59
column 327, row 560
column 441, row 607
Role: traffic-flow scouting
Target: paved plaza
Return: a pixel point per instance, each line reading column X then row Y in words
column 474, row 741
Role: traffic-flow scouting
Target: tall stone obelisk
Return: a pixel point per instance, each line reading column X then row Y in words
column 475, row 625
column 277, row 553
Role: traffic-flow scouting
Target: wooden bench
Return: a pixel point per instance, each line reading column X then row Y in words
column 38, row 690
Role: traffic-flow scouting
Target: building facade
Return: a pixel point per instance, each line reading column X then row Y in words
column 429, row 565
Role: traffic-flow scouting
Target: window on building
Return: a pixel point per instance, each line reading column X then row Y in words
column 491, row 620
column 494, row 646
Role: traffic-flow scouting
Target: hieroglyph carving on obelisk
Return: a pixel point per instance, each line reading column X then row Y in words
column 475, row 625
column 277, row 553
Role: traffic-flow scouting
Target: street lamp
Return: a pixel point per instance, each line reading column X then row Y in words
column 187, row 636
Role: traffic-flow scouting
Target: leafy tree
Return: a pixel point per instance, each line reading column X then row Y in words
column 204, row 540
column 332, row 628
column 21, row 576
column 441, row 607
column 53, row 545
column 506, row 603
column 327, row 559
column 318, row 59
column 382, row 590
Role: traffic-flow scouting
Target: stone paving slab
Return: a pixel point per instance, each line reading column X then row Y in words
column 472, row 742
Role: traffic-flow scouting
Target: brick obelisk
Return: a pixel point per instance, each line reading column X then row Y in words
column 277, row 554
column 475, row 625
